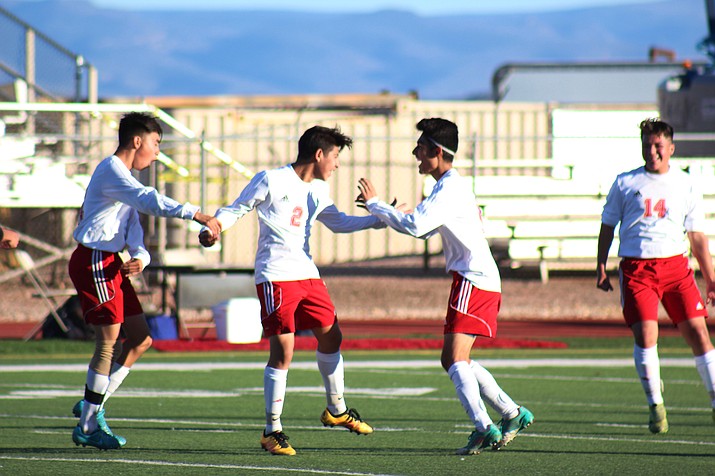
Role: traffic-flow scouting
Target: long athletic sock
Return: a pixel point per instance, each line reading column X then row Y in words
column 274, row 393
column 332, row 370
column 468, row 392
column 116, row 377
column 706, row 368
column 648, row 368
column 95, row 389
column 492, row 393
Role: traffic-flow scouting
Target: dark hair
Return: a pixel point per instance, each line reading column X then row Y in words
column 654, row 126
column 324, row 138
column 137, row 124
column 441, row 131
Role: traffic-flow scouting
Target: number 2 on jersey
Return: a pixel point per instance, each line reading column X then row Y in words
column 659, row 208
column 297, row 215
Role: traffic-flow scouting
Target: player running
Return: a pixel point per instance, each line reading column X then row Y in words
column 288, row 201
column 109, row 224
column 657, row 206
column 451, row 210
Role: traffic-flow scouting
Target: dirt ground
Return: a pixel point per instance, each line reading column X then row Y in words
column 401, row 288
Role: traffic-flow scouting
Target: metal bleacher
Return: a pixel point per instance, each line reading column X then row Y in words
column 553, row 224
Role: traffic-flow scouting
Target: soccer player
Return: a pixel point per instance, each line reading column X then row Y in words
column 109, row 224
column 288, row 201
column 451, row 210
column 8, row 238
column 657, row 206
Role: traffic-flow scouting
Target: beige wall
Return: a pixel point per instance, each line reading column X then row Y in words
column 266, row 138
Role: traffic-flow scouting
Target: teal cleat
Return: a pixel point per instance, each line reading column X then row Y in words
column 101, row 422
column 99, row 439
column 510, row 428
column 77, row 408
column 479, row 440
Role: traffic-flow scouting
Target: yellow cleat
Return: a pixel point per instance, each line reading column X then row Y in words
column 349, row 419
column 277, row 443
column 658, row 422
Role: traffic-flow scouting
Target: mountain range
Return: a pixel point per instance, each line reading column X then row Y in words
column 202, row 53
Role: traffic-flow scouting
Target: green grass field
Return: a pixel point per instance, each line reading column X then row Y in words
column 203, row 414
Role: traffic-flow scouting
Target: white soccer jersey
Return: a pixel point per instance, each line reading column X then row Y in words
column 450, row 210
column 108, row 217
column 655, row 212
column 287, row 208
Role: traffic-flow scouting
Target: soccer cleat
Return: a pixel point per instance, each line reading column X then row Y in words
column 77, row 408
column 658, row 422
column 101, row 422
column 510, row 428
column 276, row 443
column 99, row 439
column 349, row 419
column 479, row 440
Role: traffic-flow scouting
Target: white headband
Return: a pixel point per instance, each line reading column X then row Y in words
column 449, row 151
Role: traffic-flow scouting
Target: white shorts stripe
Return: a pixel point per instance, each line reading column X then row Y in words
column 465, row 293
column 100, row 281
column 268, row 298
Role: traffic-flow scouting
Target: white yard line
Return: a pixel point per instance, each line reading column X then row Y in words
column 187, row 465
column 396, row 364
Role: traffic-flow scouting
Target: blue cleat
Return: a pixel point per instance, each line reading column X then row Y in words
column 101, row 422
column 99, row 439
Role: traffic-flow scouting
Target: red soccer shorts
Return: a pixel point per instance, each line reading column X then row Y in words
column 646, row 282
column 471, row 310
column 105, row 295
column 287, row 306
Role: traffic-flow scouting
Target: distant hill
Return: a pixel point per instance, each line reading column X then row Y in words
column 267, row 52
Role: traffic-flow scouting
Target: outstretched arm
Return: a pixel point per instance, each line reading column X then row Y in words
column 422, row 222
column 605, row 239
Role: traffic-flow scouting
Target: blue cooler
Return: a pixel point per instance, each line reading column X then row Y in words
column 162, row 327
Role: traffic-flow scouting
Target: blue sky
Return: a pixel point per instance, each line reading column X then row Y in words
column 423, row 7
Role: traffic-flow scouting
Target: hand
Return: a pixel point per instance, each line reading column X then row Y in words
column 367, row 190
column 132, row 267
column 603, row 282
column 207, row 239
column 10, row 239
column 710, row 294
column 208, row 221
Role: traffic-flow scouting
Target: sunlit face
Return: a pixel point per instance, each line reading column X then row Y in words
column 328, row 163
column 657, row 151
column 424, row 152
column 148, row 150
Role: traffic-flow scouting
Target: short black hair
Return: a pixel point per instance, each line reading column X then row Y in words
column 324, row 138
column 137, row 124
column 442, row 132
column 654, row 126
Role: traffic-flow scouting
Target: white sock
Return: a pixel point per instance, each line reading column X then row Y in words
column 274, row 393
column 97, row 383
column 492, row 393
column 332, row 370
column 648, row 368
column 706, row 368
column 116, row 377
column 468, row 392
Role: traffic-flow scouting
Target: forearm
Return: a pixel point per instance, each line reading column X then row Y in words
column 700, row 248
